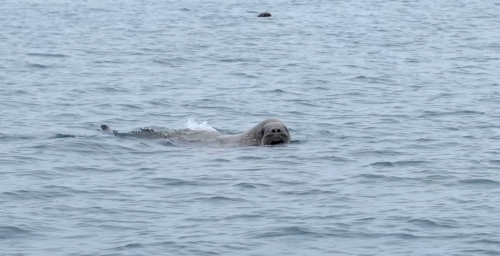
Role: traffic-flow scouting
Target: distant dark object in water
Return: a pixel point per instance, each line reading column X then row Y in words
column 105, row 128
column 264, row 14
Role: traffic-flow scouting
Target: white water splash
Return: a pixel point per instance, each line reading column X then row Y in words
column 195, row 125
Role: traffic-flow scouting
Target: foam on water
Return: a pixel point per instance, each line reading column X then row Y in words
column 199, row 125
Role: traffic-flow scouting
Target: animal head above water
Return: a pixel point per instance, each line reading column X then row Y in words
column 272, row 132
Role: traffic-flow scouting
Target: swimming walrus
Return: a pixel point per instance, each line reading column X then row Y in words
column 267, row 132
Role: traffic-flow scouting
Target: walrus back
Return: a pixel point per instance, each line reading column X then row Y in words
column 238, row 139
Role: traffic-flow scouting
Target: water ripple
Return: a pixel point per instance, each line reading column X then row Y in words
column 13, row 232
column 48, row 55
column 481, row 183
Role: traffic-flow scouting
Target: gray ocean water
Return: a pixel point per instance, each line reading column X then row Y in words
column 393, row 108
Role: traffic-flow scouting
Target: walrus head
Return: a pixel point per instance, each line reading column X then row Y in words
column 273, row 132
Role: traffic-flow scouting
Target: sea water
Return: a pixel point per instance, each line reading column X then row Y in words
column 393, row 108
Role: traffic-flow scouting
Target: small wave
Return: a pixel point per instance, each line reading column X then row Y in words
column 442, row 95
column 50, row 55
column 5, row 137
column 439, row 177
column 28, row 194
column 244, row 216
column 244, row 75
column 108, row 61
column 129, row 106
column 313, row 192
column 223, row 199
column 428, row 223
column 100, row 10
column 481, row 251
column 195, row 125
column 238, row 60
column 377, row 177
column 410, row 163
column 111, row 89
column 221, row 160
column 485, row 241
column 250, row 158
column 451, row 113
column 21, row 92
column 292, row 182
column 250, row 185
column 175, row 182
column 373, row 80
column 171, row 62
column 7, row 232
column 382, row 164
column 172, row 142
column 34, row 65
column 277, row 92
column 334, row 159
column 398, row 163
column 320, row 88
column 495, row 162
column 365, row 220
column 371, row 176
column 133, row 245
column 485, row 183
column 245, row 185
column 289, row 231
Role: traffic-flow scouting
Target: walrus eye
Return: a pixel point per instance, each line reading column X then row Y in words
column 261, row 132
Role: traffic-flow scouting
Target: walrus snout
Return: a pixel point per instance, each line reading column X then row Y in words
column 277, row 130
column 275, row 134
column 276, row 141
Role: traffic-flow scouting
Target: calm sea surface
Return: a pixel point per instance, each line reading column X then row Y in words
column 394, row 110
